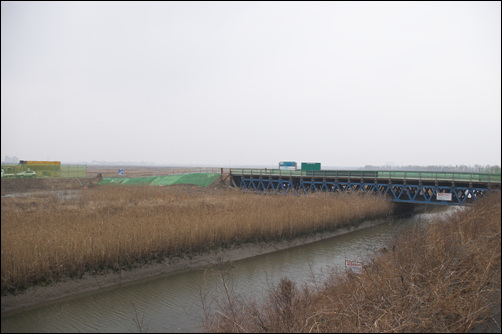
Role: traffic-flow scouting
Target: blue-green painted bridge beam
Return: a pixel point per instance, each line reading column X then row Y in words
column 443, row 188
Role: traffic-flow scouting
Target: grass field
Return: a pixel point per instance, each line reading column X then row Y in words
column 45, row 238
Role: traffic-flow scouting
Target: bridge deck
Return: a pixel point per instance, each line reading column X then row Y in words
column 395, row 175
column 449, row 188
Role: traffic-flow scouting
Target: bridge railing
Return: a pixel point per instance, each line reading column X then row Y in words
column 364, row 174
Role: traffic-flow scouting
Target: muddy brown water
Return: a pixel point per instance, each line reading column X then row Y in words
column 172, row 302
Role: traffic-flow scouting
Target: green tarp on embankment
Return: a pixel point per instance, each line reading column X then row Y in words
column 199, row 179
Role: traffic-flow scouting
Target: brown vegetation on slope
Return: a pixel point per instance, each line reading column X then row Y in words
column 439, row 277
column 45, row 238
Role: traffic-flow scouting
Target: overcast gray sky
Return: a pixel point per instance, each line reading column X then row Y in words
column 247, row 83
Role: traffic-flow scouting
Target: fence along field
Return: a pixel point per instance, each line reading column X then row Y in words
column 44, row 169
column 145, row 171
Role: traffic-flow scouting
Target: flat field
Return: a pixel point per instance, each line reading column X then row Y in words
column 46, row 238
column 94, row 175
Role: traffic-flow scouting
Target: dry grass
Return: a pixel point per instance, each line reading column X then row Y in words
column 440, row 277
column 45, row 238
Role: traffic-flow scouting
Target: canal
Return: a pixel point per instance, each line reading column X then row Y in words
column 172, row 302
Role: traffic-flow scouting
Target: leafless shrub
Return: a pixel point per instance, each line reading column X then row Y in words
column 140, row 323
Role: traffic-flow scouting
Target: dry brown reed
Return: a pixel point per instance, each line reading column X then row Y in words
column 437, row 277
column 45, row 238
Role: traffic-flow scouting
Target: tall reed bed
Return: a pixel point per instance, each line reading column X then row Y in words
column 438, row 277
column 45, row 238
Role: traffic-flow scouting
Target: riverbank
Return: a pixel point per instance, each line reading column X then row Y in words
column 73, row 288
column 441, row 277
column 60, row 246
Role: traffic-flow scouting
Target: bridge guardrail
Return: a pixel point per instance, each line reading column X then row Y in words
column 403, row 175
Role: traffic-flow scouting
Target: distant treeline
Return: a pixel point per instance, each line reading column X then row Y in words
column 457, row 168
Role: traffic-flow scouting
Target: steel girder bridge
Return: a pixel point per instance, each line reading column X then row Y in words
column 443, row 188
